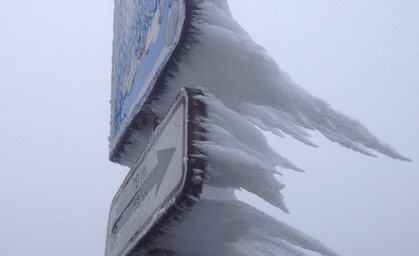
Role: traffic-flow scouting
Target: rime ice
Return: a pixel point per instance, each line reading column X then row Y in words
column 245, row 90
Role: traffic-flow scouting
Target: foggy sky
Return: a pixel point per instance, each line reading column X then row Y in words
column 56, row 182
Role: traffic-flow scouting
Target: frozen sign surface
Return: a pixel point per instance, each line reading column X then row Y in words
column 146, row 33
column 160, row 179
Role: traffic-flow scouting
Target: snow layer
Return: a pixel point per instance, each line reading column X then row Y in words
column 246, row 91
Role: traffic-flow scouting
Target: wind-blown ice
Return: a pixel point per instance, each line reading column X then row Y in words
column 241, row 74
column 245, row 90
column 239, row 155
column 221, row 225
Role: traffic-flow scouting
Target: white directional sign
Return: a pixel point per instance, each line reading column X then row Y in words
column 153, row 185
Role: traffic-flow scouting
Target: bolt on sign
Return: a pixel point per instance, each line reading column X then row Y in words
column 166, row 178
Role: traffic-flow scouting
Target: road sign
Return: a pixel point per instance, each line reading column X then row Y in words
column 146, row 33
column 166, row 177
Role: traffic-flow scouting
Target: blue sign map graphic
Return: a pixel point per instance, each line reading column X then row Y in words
column 147, row 33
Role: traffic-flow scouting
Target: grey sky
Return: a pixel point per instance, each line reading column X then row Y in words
column 56, row 183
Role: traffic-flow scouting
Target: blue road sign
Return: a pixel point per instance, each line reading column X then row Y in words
column 146, row 33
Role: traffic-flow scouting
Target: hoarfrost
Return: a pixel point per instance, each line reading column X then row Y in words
column 246, row 91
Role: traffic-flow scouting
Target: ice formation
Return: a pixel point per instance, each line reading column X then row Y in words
column 221, row 225
column 244, row 89
column 240, row 73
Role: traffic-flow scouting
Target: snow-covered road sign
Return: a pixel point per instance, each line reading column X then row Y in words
column 166, row 177
column 146, row 33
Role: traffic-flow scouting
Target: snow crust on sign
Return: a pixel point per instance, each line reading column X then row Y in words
column 245, row 91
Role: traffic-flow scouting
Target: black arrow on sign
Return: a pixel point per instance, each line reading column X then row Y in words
column 164, row 157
